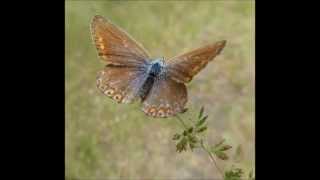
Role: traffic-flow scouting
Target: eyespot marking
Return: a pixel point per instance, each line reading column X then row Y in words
column 151, row 111
column 117, row 97
column 169, row 112
column 109, row 92
column 102, row 87
column 161, row 113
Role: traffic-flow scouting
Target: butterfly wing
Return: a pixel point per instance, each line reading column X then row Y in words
column 183, row 67
column 166, row 98
column 121, row 83
column 115, row 46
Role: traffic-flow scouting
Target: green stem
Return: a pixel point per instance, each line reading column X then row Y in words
column 203, row 147
column 211, row 158
column 184, row 125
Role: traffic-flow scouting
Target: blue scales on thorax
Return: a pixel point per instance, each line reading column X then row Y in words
column 154, row 71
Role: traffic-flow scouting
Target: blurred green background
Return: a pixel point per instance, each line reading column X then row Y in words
column 111, row 141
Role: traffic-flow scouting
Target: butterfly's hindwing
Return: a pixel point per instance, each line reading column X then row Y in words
column 182, row 68
column 121, row 84
column 166, row 98
column 115, row 46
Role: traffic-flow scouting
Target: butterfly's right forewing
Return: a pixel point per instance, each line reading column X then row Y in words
column 115, row 46
column 184, row 67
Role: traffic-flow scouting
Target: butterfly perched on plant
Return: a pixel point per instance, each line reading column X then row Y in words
column 131, row 74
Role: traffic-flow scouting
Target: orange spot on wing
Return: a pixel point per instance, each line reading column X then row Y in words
column 161, row 113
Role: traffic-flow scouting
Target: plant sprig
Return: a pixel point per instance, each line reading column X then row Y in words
column 233, row 174
column 190, row 138
column 190, row 135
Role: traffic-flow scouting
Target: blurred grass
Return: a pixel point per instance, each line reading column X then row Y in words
column 107, row 140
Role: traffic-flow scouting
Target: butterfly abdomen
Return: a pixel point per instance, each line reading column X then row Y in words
column 146, row 87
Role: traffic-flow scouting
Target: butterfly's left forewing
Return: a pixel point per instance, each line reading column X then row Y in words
column 166, row 98
column 115, row 46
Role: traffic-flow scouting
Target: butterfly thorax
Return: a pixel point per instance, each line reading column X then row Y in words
column 156, row 67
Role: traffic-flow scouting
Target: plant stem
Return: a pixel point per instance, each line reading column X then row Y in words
column 181, row 121
column 203, row 147
column 211, row 157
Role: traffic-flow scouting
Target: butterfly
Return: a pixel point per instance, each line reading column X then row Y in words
column 132, row 75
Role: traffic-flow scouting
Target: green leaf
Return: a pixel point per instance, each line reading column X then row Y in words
column 199, row 123
column 219, row 143
column 225, row 147
column 201, row 112
column 233, row 174
column 190, row 130
column 176, row 137
column 193, row 139
column 192, row 145
column 182, row 145
column 202, row 129
column 185, row 133
column 221, row 155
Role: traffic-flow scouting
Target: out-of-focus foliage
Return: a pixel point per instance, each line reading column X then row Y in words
column 108, row 140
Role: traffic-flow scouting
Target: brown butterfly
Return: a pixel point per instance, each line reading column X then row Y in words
column 130, row 73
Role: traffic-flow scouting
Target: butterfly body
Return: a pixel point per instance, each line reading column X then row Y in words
column 155, row 70
column 130, row 73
